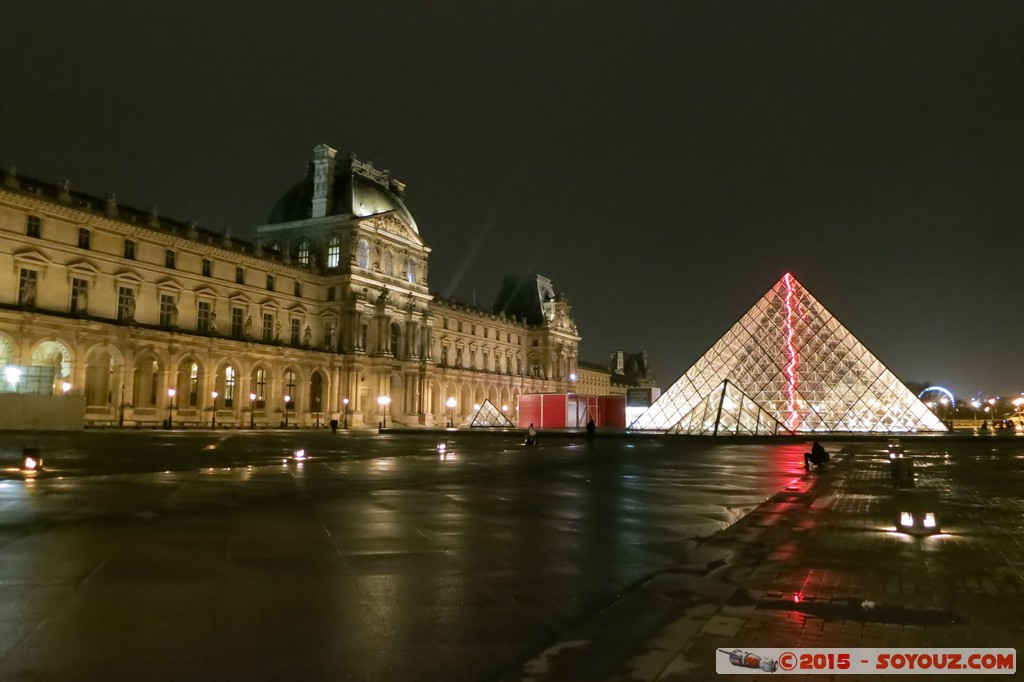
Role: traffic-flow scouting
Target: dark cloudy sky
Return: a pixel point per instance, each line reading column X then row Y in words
column 663, row 162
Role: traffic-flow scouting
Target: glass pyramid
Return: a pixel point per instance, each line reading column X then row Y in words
column 488, row 415
column 728, row 411
column 795, row 361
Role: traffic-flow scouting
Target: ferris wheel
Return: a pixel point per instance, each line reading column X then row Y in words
column 938, row 398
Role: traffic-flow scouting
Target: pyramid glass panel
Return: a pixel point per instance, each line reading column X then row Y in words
column 795, row 362
column 488, row 416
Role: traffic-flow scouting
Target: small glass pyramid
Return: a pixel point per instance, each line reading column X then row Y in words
column 728, row 411
column 793, row 360
column 488, row 415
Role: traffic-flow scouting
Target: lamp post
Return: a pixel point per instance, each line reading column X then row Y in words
column 384, row 401
column 213, row 410
column 120, row 414
column 287, row 399
column 451, row 411
column 344, row 412
column 170, row 406
column 252, row 410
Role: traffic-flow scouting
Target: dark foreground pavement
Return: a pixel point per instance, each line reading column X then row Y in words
column 205, row 556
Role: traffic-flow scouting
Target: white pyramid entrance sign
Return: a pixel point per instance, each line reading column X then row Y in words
column 797, row 363
column 488, row 415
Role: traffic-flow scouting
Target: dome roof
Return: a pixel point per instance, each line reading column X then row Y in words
column 359, row 190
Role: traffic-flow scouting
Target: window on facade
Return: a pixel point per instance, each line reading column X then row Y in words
column 84, row 238
column 444, row 322
column 486, row 358
column 410, row 271
column 289, row 388
column 129, row 249
column 389, row 264
column 261, row 388
column 508, row 337
column 166, row 310
column 472, row 358
column 444, row 354
column 154, row 381
column 268, row 327
column 304, row 252
column 229, row 387
column 169, row 257
column 125, row 304
column 237, row 320
column 28, row 283
column 536, row 342
column 203, row 317
column 334, row 252
column 394, row 340
column 193, row 385
column 270, row 282
column 363, row 256
column 207, row 267
column 330, row 293
column 364, row 331
column 460, row 325
column 296, row 332
column 32, row 226
column 474, row 330
column 239, row 275
column 298, row 289
column 79, row 296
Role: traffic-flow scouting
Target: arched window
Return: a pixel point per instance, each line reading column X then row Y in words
column 261, row 388
column 389, row 264
column 304, row 252
column 363, row 256
column 229, row 387
column 334, row 252
column 410, row 271
column 289, row 390
column 193, row 385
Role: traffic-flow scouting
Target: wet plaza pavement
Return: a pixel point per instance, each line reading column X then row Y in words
column 159, row 556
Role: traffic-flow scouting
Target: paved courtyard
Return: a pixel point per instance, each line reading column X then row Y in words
column 164, row 556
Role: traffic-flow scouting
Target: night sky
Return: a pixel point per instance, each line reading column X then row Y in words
column 664, row 163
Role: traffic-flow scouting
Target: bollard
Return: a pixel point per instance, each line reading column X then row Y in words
column 917, row 511
column 901, row 470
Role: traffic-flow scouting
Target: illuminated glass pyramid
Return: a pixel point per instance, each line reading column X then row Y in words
column 794, row 361
column 488, row 415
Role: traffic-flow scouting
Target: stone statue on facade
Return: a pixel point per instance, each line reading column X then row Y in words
column 277, row 331
column 307, row 336
column 213, row 321
column 247, row 327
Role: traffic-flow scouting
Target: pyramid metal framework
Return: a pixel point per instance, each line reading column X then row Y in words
column 728, row 411
column 794, row 360
column 488, row 416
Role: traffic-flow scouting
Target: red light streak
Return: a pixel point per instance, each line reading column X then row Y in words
column 791, row 365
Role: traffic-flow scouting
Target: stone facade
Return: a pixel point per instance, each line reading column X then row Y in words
column 323, row 314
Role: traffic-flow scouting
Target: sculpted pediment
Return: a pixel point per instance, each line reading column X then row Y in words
column 392, row 224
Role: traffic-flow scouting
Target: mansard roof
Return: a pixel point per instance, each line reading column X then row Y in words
column 358, row 190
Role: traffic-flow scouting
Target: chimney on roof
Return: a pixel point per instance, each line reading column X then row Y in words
column 323, row 180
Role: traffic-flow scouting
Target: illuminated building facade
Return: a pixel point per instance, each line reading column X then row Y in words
column 787, row 366
column 324, row 313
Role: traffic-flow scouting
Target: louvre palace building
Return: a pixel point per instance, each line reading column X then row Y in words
column 325, row 314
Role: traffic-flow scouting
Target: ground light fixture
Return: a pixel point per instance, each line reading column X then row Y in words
column 31, row 460
column 917, row 511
